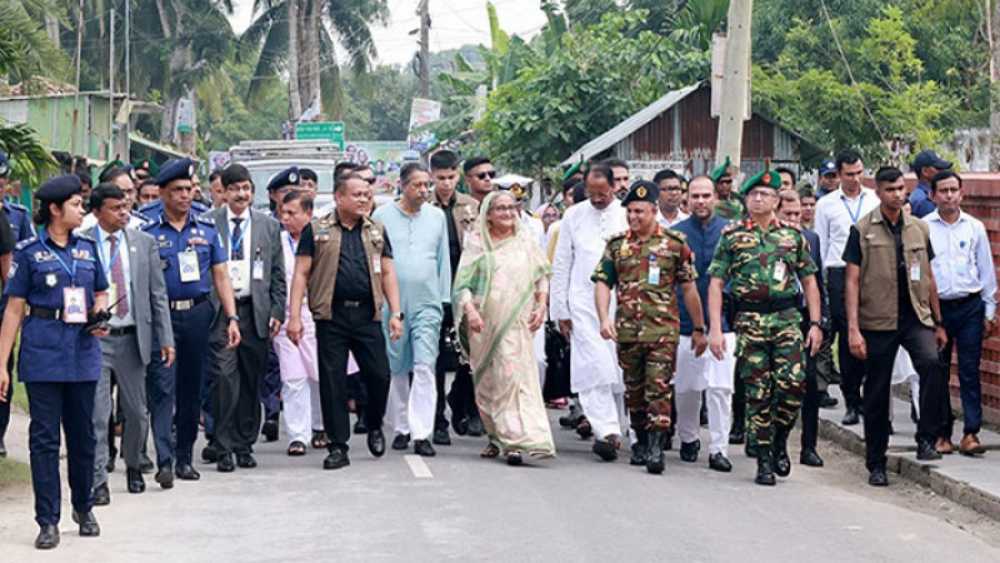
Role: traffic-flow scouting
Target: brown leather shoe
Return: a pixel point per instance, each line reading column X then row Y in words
column 970, row 445
column 944, row 446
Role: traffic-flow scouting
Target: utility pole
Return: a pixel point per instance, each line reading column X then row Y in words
column 993, row 35
column 76, row 98
column 111, row 86
column 735, row 102
column 127, row 126
column 423, row 10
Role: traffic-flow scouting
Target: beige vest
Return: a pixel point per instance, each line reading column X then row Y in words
column 879, row 300
column 327, row 234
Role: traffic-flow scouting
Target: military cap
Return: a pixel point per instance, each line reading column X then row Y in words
column 147, row 165
column 59, row 189
column 642, row 190
column 721, row 170
column 764, row 178
column 828, row 167
column 4, row 165
column 107, row 168
column 287, row 177
column 572, row 170
column 235, row 173
column 177, row 169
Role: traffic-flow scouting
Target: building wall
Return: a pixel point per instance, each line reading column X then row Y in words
column 52, row 118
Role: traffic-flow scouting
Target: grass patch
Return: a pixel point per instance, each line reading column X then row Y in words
column 20, row 397
column 13, row 473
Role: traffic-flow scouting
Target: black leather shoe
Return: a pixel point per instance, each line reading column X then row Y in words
column 401, row 442
column 827, row 402
column 655, row 458
column 146, row 465
column 689, row 451
column 270, row 430
column 476, row 426
column 927, row 452
column 424, row 448
column 851, row 417
column 765, row 471
column 668, row 441
column 583, row 428
column 336, row 459
column 48, row 537
column 186, row 472
column 360, row 426
column 878, row 478
column 246, row 460
column 460, row 425
column 809, row 457
column 165, row 477
column 225, row 464
column 3, row 448
column 719, row 462
column 102, row 496
column 136, row 484
column 110, row 466
column 749, row 450
column 441, row 437
column 605, row 450
column 737, row 436
column 572, row 419
column 88, row 524
column 209, row 454
column 779, row 453
column 376, row 442
column 640, row 449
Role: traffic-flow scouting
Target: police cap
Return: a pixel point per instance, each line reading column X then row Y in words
column 828, row 167
column 59, row 189
column 178, row 169
column 287, row 177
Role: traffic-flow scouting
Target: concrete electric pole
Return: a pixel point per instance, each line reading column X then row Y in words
column 423, row 10
column 735, row 96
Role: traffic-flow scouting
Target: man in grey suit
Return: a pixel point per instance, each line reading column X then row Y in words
column 131, row 261
column 252, row 241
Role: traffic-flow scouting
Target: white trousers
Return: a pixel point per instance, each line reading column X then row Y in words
column 715, row 378
column 411, row 406
column 302, row 410
column 605, row 410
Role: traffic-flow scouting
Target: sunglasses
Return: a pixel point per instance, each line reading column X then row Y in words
column 488, row 174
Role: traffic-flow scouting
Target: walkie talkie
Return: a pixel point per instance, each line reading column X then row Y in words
column 99, row 319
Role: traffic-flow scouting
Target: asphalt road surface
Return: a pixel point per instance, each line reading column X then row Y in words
column 458, row 506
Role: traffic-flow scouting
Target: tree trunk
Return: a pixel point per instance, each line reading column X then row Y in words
column 294, row 96
column 313, row 22
column 52, row 29
column 993, row 28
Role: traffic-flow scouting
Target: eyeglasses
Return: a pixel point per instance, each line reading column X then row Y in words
column 488, row 174
column 729, row 181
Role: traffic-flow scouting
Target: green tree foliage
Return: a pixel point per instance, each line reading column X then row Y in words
column 227, row 120
column 601, row 75
column 25, row 49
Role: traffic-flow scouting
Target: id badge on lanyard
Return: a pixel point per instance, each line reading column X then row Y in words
column 188, row 263
column 654, row 271
column 74, row 305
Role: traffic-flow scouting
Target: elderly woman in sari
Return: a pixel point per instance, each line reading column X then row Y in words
column 500, row 295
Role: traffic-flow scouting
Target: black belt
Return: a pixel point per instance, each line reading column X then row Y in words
column 352, row 304
column 243, row 301
column 773, row 306
column 47, row 314
column 186, row 304
column 977, row 296
column 121, row 330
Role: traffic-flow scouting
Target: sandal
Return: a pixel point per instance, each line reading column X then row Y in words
column 296, row 449
column 319, row 440
column 490, row 451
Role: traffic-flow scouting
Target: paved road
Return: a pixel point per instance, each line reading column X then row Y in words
column 573, row 508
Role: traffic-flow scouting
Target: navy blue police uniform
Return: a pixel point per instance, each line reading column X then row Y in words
column 173, row 393
column 59, row 362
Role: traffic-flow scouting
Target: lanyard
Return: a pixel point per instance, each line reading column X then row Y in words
column 70, row 271
column 856, row 214
column 114, row 257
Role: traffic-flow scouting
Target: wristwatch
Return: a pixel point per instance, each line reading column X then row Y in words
column 398, row 315
column 232, row 318
column 816, row 324
column 700, row 329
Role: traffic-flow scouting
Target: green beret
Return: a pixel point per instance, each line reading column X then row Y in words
column 114, row 164
column 572, row 170
column 642, row 190
column 765, row 178
column 721, row 170
column 148, row 165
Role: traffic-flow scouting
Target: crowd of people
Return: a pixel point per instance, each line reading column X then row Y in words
column 146, row 305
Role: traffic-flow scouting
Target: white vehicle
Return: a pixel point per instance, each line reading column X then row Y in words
column 265, row 159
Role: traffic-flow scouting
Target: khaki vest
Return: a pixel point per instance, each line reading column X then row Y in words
column 327, row 233
column 879, row 300
column 463, row 215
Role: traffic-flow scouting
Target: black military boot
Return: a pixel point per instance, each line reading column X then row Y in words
column 765, row 471
column 779, row 452
column 654, row 454
column 640, row 449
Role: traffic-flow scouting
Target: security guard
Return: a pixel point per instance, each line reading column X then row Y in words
column 193, row 260
column 761, row 258
column 17, row 214
column 58, row 275
column 645, row 264
column 153, row 211
column 729, row 205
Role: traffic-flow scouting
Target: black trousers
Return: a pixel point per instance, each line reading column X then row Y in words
column 238, row 374
column 353, row 330
column 810, row 403
column 462, row 396
column 557, row 353
column 852, row 370
column 882, row 346
column 5, row 405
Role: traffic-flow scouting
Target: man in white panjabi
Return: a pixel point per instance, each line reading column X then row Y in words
column 594, row 371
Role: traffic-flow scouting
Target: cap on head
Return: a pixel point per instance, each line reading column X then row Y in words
column 578, row 167
column 59, row 189
column 642, row 190
column 516, row 190
column 929, row 158
column 764, row 178
column 828, row 167
column 721, row 170
column 235, row 173
column 287, row 177
column 178, row 169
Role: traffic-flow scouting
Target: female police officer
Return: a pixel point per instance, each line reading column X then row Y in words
column 58, row 276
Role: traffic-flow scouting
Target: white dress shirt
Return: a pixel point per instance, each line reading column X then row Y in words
column 963, row 260
column 667, row 223
column 106, row 257
column 835, row 214
column 239, row 270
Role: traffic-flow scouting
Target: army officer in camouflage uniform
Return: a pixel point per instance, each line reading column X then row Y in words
column 645, row 265
column 766, row 261
column 728, row 205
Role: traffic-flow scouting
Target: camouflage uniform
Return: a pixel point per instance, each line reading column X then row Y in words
column 648, row 318
column 731, row 208
column 762, row 266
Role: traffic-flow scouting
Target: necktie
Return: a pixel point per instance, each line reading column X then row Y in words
column 118, row 279
column 236, row 245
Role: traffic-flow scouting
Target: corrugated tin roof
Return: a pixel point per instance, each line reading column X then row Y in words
column 630, row 125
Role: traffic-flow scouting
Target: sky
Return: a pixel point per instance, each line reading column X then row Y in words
column 453, row 23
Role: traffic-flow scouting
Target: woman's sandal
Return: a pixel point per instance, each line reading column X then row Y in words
column 490, row 451
column 319, row 441
column 296, row 448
